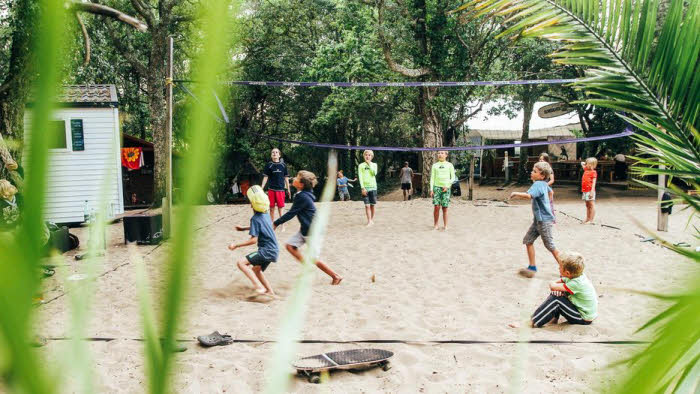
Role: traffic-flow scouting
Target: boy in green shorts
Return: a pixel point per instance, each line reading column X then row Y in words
column 366, row 173
column 442, row 175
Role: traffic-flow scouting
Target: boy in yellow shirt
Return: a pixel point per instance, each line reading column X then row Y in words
column 442, row 175
column 366, row 173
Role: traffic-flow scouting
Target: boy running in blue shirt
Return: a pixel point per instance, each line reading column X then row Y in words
column 543, row 216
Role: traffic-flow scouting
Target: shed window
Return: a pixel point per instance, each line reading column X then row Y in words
column 57, row 135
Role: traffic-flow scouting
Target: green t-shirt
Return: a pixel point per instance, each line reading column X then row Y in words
column 583, row 295
column 442, row 174
column 366, row 175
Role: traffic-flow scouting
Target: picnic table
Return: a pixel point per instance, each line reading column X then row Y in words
column 571, row 169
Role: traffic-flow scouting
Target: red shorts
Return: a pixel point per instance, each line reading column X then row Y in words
column 276, row 198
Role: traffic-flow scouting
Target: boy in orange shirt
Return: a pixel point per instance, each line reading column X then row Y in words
column 588, row 187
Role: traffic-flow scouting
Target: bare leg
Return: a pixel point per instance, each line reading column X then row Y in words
column 531, row 254
column 371, row 209
column 444, row 216
column 592, row 210
column 368, row 214
column 323, row 267
column 436, row 216
column 272, row 214
column 555, row 253
column 261, row 277
column 336, row 279
column 280, row 210
column 244, row 266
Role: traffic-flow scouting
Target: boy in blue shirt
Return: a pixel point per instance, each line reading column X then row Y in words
column 543, row 216
column 261, row 232
column 343, row 182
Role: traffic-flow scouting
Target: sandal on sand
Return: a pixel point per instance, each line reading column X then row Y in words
column 48, row 271
column 215, row 339
column 38, row 341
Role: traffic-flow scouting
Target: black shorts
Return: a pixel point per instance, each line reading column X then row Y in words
column 406, row 186
column 256, row 258
column 370, row 198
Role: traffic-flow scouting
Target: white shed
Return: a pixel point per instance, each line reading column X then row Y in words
column 84, row 163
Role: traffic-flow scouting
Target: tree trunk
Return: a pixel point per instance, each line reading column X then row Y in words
column 432, row 135
column 528, row 105
column 155, row 81
column 14, row 91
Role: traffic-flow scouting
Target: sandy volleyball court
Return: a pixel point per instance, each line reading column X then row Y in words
column 429, row 286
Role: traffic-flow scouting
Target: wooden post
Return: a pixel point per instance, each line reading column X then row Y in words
column 662, row 218
column 471, row 178
column 169, row 177
column 506, row 168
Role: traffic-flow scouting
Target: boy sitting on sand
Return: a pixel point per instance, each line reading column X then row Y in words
column 543, row 216
column 573, row 295
column 304, row 209
column 262, row 233
column 442, row 175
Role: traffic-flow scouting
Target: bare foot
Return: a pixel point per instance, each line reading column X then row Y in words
column 370, row 223
column 555, row 320
column 337, row 280
column 444, row 228
column 435, row 228
column 260, row 290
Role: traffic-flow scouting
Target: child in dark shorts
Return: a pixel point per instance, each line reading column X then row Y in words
column 304, row 209
column 261, row 232
column 543, row 217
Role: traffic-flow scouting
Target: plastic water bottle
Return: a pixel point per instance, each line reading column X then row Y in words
column 86, row 212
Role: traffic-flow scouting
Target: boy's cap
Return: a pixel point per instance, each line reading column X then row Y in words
column 258, row 199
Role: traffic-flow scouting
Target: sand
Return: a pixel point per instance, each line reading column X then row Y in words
column 428, row 285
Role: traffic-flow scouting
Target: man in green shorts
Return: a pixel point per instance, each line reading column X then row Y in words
column 442, row 175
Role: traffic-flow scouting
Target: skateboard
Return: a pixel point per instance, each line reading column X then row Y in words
column 311, row 367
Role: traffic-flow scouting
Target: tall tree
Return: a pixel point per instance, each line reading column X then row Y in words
column 529, row 60
column 420, row 41
column 146, row 54
column 16, row 82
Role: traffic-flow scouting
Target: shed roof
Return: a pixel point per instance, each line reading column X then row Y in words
column 501, row 127
column 85, row 96
column 88, row 95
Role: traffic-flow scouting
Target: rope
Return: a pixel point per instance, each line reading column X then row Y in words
column 389, row 341
column 625, row 133
column 225, row 119
column 447, row 84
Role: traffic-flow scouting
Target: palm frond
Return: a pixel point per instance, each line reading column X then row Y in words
column 651, row 77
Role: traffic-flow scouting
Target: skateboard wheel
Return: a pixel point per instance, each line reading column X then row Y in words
column 315, row 379
column 386, row 366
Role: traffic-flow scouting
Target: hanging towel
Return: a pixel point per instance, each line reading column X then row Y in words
column 132, row 158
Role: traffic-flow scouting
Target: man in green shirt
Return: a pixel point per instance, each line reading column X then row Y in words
column 366, row 173
column 442, row 175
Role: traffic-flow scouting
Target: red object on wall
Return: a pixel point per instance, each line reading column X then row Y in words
column 132, row 158
column 245, row 184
